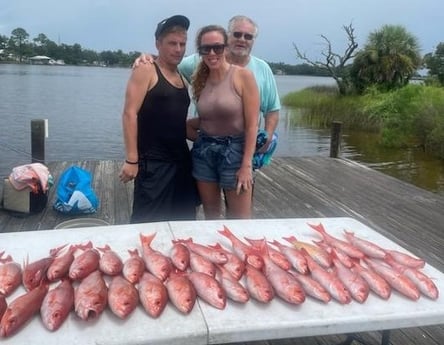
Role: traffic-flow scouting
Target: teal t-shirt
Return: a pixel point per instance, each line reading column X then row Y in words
column 268, row 93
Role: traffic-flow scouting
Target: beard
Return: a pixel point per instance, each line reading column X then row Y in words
column 240, row 51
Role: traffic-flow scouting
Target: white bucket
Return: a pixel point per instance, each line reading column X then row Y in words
column 81, row 223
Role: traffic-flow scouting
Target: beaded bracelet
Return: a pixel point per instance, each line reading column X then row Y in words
column 129, row 162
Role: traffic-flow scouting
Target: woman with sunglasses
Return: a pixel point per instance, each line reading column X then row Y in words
column 224, row 133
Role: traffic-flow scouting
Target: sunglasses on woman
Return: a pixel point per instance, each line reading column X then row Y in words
column 238, row 34
column 216, row 48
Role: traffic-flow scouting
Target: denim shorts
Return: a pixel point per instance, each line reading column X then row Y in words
column 217, row 159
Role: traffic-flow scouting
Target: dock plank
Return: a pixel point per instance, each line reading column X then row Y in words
column 298, row 187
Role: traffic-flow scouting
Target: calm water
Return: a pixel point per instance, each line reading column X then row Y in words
column 83, row 106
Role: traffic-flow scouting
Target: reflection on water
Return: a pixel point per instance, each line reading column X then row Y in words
column 296, row 140
column 411, row 165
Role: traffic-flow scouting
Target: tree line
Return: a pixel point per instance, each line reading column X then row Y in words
column 18, row 48
column 389, row 59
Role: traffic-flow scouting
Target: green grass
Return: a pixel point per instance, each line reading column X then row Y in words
column 410, row 116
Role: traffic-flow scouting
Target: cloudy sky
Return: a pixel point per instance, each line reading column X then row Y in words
column 129, row 24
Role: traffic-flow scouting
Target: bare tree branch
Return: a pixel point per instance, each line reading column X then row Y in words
column 334, row 62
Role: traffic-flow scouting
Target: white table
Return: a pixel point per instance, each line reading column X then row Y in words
column 171, row 328
column 236, row 323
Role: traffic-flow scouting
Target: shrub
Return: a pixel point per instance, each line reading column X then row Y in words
column 409, row 116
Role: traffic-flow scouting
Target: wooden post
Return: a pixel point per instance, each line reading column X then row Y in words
column 335, row 141
column 38, row 133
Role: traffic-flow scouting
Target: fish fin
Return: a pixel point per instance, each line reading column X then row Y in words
column 254, row 242
column 350, row 233
column 319, row 228
column 215, row 246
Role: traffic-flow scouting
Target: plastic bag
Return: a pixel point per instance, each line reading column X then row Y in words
column 74, row 192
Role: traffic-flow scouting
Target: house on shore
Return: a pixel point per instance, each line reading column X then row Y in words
column 44, row 60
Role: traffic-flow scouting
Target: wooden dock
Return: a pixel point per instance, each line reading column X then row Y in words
column 299, row 188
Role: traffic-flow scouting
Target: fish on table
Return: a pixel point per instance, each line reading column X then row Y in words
column 133, row 267
column 425, row 285
column 91, row 296
column 355, row 284
column 35, row 272
column 181, row 292
column 123, row 297
column 275, row 255
column 57, row 305
column 246, row 253
column 153, row 294
column 376, row 283
column 318, row 254
column 110, row 263
column 211, row 254
column 59, row 268
column 233, row 288
column 397, row 280
column 180, row 256
column 284, row 283
column 328, row 280
column 293, row 255
column 257, row 284
column 200, row 264
column 10, row 275
column 234, row 264
column 21, row 310
column 156, row 262
column 84, row 263
column 208, row 289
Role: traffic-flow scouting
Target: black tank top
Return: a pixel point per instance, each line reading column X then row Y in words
column 161, row 121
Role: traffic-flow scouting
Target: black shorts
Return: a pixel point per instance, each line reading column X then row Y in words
column 164, row 191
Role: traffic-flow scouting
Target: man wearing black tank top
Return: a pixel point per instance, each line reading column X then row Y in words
column 154, row 130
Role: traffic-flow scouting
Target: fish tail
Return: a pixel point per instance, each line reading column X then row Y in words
column 133, row 252
column 183, row 240
column 226, row 232
column 104, row 249
column 290, row 239
column 86, row 246
column 261, row 247
column 276, row 243
column 147, row 239
column 319, row 228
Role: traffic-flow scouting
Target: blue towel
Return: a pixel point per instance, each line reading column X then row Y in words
column 264, row 158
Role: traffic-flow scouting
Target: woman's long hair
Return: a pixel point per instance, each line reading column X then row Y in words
column 200, row 75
